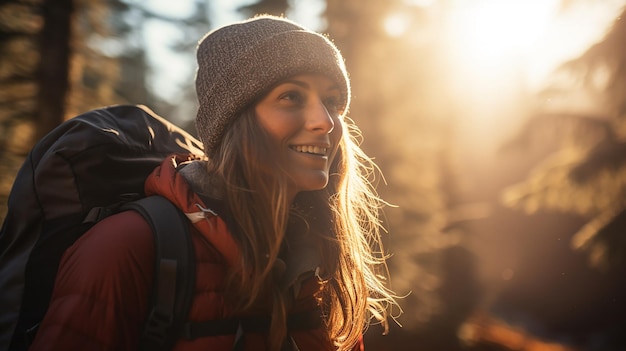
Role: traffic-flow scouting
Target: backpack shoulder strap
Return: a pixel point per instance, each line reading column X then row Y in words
column 174, row 275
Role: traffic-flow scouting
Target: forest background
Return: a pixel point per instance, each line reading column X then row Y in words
column 499, row 127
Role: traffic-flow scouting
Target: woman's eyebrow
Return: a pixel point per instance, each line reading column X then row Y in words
column 333, row 88
column 297, row 82
column 306, row 85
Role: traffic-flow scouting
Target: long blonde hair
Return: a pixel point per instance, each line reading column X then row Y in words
column 344, row 220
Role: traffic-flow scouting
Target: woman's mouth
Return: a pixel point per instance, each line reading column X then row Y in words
column 310, row 149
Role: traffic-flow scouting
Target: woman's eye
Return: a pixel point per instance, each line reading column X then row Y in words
column 293, row 96
column 332, row 103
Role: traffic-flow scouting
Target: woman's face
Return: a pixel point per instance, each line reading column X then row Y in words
column 301, row 118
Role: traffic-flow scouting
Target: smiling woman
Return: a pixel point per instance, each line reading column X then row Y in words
column 284, row 221
column 302, row 121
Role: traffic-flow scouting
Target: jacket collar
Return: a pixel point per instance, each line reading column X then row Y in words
column 166, row 181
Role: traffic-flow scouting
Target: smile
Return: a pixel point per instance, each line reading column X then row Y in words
column 310, row 149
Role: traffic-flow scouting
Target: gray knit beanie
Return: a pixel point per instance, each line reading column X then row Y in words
column 240, row 62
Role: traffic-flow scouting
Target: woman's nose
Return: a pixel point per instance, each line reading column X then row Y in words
column 319, row 119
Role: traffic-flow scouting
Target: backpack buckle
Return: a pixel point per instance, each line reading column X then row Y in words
column 157, row 325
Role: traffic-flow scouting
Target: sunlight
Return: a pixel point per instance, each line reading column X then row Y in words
column 499, row 51
column 486, row 38
column 397, row 24
column 420, row 3
column 489, row 32
column 488, row 43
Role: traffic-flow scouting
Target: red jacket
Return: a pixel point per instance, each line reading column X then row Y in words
column 102, row 289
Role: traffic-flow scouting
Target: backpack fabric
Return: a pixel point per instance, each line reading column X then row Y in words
column 87, row 168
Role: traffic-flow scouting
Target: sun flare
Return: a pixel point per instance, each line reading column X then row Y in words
column 488, row 32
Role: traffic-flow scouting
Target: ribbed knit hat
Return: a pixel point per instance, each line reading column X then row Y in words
column 240, row 62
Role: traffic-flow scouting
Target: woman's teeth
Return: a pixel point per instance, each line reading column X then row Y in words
column 309, row 149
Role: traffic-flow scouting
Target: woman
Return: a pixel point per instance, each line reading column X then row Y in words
column 283, row 219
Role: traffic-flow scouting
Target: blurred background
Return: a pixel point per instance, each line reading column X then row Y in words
column 499, row 127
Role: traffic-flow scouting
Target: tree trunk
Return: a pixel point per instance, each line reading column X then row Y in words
column 54, row 64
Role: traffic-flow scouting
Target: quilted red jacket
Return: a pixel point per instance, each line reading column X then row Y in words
column 102, row 289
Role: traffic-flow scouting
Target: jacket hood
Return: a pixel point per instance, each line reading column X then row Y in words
column 168, row 182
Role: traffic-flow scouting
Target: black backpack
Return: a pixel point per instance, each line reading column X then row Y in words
column 87, row 168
